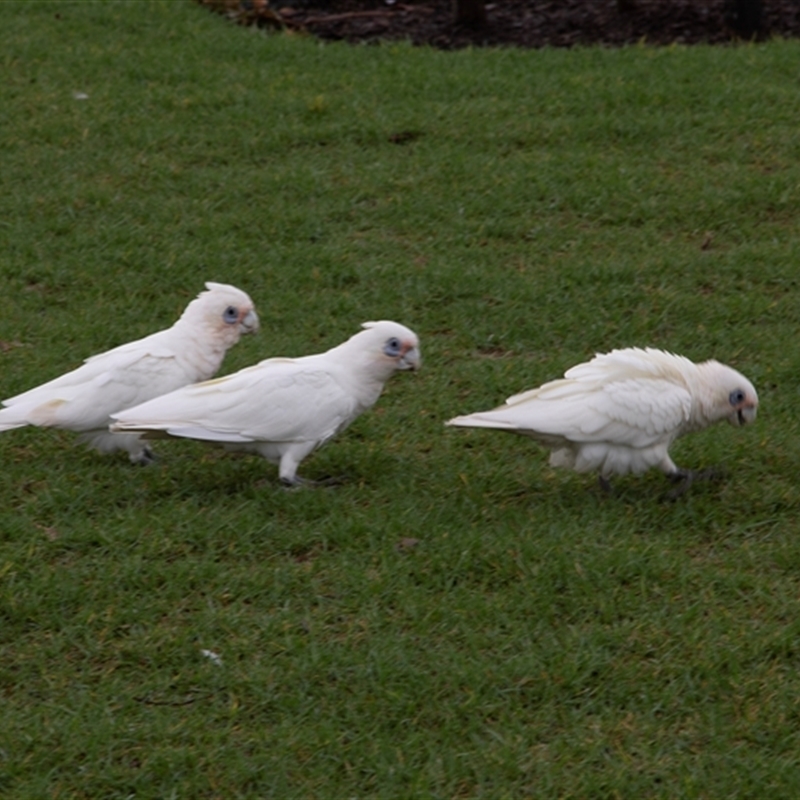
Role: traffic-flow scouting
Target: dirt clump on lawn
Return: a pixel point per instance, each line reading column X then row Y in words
column 513, row 23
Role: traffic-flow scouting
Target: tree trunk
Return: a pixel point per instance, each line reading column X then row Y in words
column 744, row 17
column 470, row 12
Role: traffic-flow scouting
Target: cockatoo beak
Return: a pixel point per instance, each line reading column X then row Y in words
column 745, row 414
column 410, row 358
column 248, row 322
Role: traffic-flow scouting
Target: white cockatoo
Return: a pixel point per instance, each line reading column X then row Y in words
column 283, row 408
column 191, row 350
column 621, row 411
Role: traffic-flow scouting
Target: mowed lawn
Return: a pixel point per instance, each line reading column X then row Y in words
column 457, row 619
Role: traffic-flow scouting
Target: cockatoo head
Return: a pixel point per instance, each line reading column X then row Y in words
column 224, row 312
column 390, row 346
column 734, row 397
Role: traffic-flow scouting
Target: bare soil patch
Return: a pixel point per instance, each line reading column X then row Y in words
column 512, row 23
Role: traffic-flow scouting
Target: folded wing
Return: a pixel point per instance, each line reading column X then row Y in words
column 278, row 400
column 83, row 398
column 635, row 412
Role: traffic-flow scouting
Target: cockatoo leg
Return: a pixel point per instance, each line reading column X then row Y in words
column 289, row 462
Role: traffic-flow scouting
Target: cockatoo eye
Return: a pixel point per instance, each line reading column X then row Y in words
column 736, row 397
column 392, row 347
column 230, row 315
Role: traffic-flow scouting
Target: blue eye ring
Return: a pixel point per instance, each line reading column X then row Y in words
column 230, row 315
column 393, row 346
column 736, row 397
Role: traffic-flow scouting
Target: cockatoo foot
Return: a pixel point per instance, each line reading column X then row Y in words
column 684, row 478
column 145, row 458
column 605, row 485
column 297, row 482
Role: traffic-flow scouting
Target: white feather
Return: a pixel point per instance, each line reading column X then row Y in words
column 283, row 408
column 191, row 350
column 622, row 410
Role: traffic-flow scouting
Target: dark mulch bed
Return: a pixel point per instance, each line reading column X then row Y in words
column 516, row 23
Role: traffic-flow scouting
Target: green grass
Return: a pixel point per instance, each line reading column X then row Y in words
column 541, row 640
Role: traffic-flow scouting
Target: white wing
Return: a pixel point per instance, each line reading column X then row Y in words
column 278, row 400
column 84, row 398
column 636, row 412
